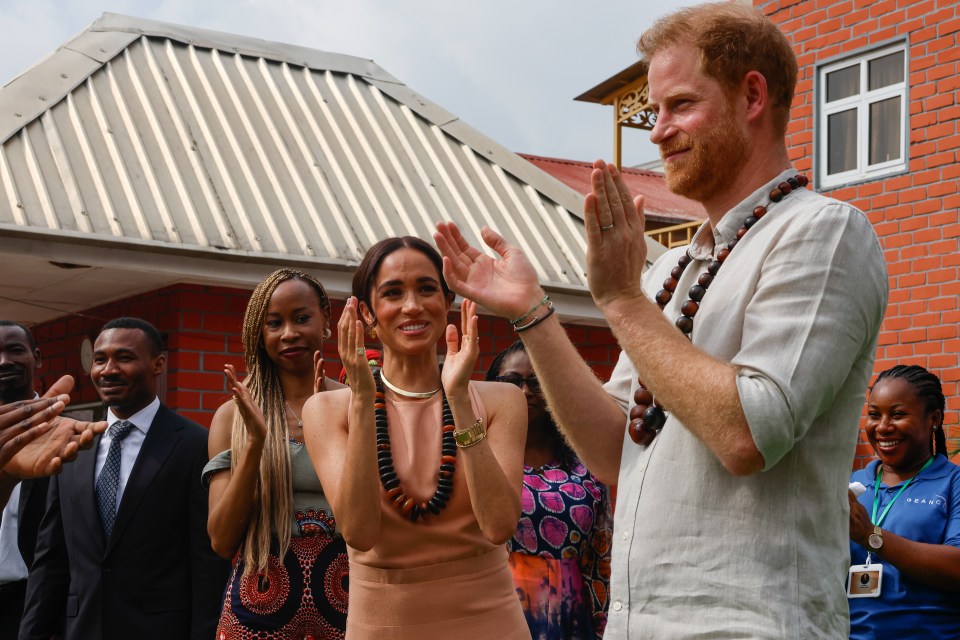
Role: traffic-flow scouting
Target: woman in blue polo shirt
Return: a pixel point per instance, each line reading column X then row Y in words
column 908, row 519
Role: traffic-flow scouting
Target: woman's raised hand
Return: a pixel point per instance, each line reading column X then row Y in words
column 462, row 351
column 249, row 410
column 508, row 287
column 318, row 375
column 353, row 352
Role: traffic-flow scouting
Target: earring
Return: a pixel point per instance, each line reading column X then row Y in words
column 327, row 333
column 372, row 332
column 933, row 438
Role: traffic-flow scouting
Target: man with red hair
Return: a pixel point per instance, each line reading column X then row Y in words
column 750, row 348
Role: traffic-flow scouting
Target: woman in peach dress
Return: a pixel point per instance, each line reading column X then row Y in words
column 422, row 467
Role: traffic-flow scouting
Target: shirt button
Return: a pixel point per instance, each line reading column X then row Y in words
column 626, row 534
column 617, row 606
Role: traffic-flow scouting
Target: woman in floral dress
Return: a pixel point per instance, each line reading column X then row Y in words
column 560, row 554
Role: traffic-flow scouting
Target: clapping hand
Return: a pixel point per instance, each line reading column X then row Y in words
column 35, row 440
column 462, row 351
column 353, row 353
column 507, row 286
column 249, row 410
column 616, row 246
column 318, row 375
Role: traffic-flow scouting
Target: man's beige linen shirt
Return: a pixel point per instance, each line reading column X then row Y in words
column 697, row 551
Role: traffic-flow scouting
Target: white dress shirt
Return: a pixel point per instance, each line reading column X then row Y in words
column 697, row 551
column 12, row 566
column 131, row 444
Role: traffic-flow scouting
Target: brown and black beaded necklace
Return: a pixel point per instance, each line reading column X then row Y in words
column 407, row 506
column 647, row 416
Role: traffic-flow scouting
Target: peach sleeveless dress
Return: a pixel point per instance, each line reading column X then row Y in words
column 436, row 579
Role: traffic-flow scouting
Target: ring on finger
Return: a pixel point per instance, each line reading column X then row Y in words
column 361, row 351
column 606, row 227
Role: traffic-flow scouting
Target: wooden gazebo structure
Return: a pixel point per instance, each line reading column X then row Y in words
column 628, row 93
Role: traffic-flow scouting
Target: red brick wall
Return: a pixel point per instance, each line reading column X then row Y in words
column 200, row 324
column 916, row 215
column 202, row 328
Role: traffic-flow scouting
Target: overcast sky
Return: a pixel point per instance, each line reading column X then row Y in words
column 509, row 68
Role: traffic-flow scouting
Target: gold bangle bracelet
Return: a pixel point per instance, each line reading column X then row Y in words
column 471, row 435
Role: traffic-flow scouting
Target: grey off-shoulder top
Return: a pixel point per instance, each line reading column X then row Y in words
column 311, row 510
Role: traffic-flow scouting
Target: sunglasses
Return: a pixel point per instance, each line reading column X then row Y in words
column 518, row 381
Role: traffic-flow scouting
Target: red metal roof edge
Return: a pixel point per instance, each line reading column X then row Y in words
column 662, row 205
column 579, row 163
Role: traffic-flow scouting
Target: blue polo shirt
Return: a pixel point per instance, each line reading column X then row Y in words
column 927, row 511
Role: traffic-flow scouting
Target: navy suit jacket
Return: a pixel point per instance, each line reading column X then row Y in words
column 157, row 576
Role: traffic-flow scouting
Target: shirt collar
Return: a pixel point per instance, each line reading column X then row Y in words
column 706, row 239
column 141, row 419
column 941, row 468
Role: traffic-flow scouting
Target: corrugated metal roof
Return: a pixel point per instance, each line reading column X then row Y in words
column 174, row 139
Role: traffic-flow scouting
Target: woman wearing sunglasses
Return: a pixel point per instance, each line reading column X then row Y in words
column 560, row 553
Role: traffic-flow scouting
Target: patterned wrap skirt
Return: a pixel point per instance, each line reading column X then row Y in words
column 304, row 596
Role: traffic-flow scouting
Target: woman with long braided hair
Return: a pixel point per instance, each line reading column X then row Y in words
column 267, row 507
column 905, row 527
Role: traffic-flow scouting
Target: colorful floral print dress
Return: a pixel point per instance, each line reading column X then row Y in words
column 560, row 554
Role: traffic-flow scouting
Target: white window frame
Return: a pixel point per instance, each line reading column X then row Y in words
column 862, row 101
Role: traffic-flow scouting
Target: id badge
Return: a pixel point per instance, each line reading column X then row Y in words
column 865, row 580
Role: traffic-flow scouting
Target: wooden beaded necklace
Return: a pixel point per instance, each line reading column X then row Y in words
column 407, row 506
column 647, row 416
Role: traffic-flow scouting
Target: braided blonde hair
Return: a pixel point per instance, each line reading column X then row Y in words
column 273, row 499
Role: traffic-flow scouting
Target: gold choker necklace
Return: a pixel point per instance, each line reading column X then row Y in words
column 404, row 392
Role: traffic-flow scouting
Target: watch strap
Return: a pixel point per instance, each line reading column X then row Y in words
column 471, row 435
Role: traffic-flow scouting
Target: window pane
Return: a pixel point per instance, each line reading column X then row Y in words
column 842, row 142
column 885, row 130
column 843, row 83
column 886, row 71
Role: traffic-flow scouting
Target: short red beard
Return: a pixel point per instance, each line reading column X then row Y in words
column 708, row 161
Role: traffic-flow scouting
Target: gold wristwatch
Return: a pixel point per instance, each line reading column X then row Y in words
column 875, row 540
column 471, row 435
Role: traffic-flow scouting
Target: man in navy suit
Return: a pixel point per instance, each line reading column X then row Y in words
column 123, row 550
